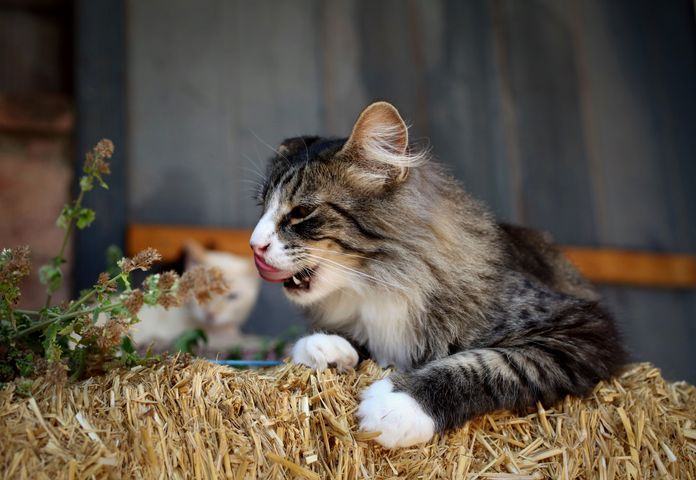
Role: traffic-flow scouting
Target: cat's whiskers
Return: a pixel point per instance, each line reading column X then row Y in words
column 252, row 187
column 254, row 170
column 357, row 272
column 310, row 270
column 270, row 147
column 350, row 277
column 346, row 254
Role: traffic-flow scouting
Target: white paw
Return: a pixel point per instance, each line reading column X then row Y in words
column 397, row 415
column 320, row 350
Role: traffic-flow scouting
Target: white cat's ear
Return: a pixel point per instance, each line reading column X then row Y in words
column 194, row 252
column 380, row 139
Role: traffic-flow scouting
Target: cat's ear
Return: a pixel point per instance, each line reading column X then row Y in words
column 380, row 141
column 194, row 254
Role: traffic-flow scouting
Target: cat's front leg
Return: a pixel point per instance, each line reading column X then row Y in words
column 320, row 350
column 396, row 414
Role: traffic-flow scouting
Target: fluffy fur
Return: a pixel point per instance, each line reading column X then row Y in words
column 385, row 249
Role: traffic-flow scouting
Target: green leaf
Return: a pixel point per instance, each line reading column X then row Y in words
column 25, row 365
column 51, row 276
column 86, row 183
column 127, row 345
column 50, row 333
column 23, row 387
column 129, row 355
column 152, row 292
column 65, row 217
column 100, row 180
column 189, row 340
column 85, row 217
column 52, row 350
column 78, row 363
column 67, row 330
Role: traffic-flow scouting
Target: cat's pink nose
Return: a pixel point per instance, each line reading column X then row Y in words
column 260, row 250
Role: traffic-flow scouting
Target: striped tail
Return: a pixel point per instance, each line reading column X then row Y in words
column 567, row 354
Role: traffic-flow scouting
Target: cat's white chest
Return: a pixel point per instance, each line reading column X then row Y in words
column 379, row 320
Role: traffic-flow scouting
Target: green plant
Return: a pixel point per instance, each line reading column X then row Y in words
column 86, row 335
column 188, row 341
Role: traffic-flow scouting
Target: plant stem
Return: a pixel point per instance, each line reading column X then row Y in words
column 58, row 318
column 89, row 294
column 31, row 313
column 66, row 237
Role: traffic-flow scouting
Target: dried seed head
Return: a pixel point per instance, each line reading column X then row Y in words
column 134, row 302
column 202, row 283
column 108, row 336
column 96, row 163
column 14, row 264
column 142, row 260
column 103, row 282
column 104, row 148
column 114, row 330
column 167, row 280
column 95, row 160
column 169, row 300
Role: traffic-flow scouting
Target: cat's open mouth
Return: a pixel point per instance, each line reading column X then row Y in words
column 301, row 280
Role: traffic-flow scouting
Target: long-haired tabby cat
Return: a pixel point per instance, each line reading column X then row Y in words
column 393, row 260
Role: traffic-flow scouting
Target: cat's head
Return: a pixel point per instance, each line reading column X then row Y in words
column 325, row 205
column 230, row 308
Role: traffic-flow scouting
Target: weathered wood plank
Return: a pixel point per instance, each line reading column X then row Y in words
column 465, row 103
column 556, row 188
column 36, row 113
column 658, row 326
column 206, row 118
column 101, row 102
column 639, row 106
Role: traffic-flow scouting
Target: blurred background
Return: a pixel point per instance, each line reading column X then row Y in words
column 578, row 118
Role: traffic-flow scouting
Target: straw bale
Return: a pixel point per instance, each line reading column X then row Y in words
column 181, row 419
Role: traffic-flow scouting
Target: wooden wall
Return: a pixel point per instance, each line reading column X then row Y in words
column 36, row 126
column 575, row 117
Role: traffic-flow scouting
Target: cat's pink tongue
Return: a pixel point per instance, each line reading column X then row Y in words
column 269, row 272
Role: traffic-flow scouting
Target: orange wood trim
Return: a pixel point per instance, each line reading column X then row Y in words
column 600, row 265
column 169, row 239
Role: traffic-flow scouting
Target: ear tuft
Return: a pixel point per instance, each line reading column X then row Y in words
column 380, row 138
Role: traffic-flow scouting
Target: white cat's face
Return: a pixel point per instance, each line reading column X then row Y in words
column 234, row 306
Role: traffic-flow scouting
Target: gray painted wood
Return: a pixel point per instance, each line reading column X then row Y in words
column 575, row 117
column 101, row 113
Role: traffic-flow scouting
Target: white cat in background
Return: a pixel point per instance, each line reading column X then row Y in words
column 221, row 319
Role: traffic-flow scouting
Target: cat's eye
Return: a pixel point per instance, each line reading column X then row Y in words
column 300, row 212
